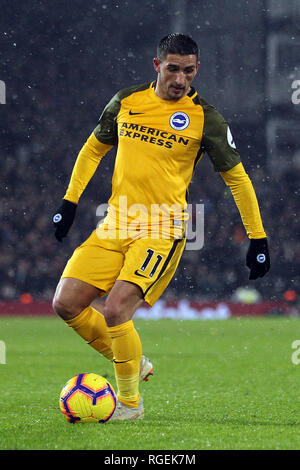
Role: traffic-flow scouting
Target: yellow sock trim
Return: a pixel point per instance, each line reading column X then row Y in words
column 127, row 349
column 91, row 326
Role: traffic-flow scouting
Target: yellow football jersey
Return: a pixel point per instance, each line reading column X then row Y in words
column 159, row 143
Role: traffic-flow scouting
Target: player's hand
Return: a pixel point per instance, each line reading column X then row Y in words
column 258, row 258
column 63, row 219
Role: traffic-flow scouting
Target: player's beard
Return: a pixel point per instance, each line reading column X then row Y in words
column 175, row 93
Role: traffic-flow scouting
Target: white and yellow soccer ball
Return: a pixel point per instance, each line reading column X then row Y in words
column 87, row 398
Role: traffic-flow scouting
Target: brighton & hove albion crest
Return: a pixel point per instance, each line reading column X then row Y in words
column 179, row 121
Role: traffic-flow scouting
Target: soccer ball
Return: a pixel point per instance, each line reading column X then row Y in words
column 87, row 398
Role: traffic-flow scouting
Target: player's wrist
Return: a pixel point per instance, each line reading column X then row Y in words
column 68, row 203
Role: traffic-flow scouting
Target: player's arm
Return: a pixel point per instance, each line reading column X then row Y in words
column 245, row 198
column 218, row 142
column 85, row 166
column 101, row 140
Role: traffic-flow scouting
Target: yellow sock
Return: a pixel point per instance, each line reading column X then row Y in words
column 127, row 349
column 91, row 326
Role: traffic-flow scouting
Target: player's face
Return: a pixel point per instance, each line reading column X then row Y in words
column 175, row 75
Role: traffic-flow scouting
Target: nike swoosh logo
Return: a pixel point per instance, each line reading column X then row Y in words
column 138, row 274
column 133, row 114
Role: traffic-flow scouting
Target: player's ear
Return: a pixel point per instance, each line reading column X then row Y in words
column 156, row 64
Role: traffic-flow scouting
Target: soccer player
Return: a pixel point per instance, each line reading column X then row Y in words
column 161, row 130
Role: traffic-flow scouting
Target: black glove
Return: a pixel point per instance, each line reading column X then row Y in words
column 63, row 219
column 258, row 258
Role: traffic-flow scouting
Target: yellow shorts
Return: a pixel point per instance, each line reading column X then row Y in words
column 149, row 263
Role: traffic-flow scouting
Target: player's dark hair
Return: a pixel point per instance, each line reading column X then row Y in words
column 176, row 43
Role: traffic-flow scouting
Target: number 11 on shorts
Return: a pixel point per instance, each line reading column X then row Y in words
column 150, row 254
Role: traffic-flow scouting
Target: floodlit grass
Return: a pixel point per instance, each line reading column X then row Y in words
column 217, row 385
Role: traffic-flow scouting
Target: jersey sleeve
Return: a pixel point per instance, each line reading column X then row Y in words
column 85, row 166
column 106, row 130
column 101, row 140
column 217, row 140
column 245, row 198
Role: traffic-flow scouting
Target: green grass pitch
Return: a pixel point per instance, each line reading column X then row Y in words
column 218, row 385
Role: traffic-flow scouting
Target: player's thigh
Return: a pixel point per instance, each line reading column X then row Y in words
column 151, row 264
column 95, row 264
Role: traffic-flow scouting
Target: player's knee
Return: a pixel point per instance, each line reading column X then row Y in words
column 62, row 309
column 59, row 308
column 115, row 313
column 111, row 314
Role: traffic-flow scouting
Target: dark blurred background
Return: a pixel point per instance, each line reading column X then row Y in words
column 61, row 61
